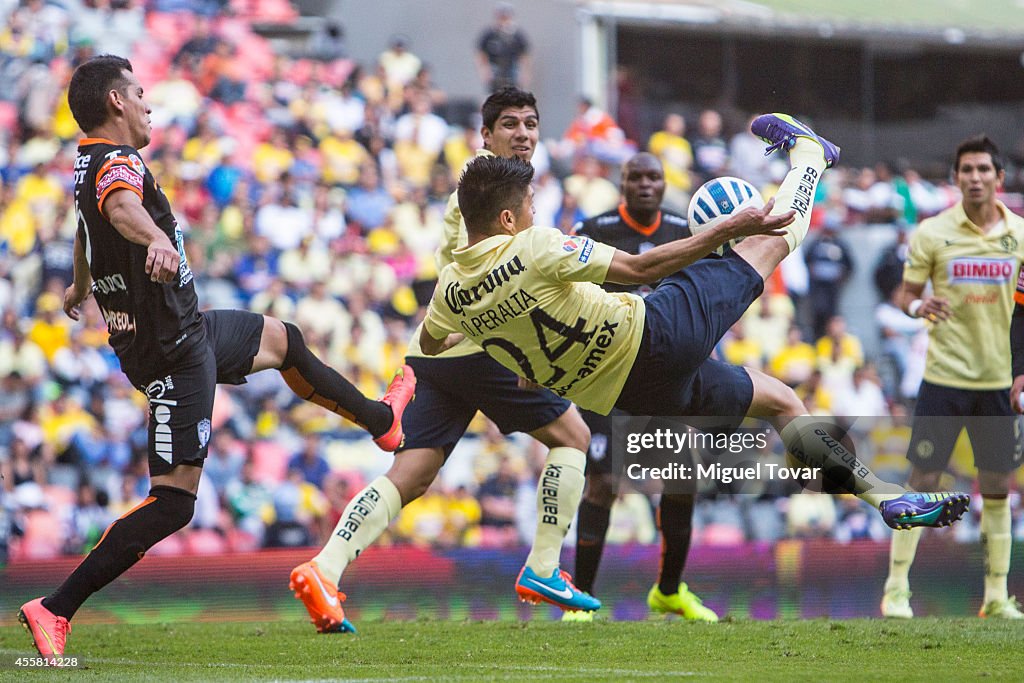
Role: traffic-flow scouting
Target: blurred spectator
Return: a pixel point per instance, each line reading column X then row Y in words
column 400, row 66
column 810, row 515
column 328, row 42
column 503, row 52
column 710, row 153
column 796, row 360
column 368, row 203
column 593, row 192
column 858, row 522
column 864, row 399
column 497, row 496
column 676, row 155
column 829, row 266
column 419, row 138
column 594, row 133
column 309, row 462
column 747, row 159
column 225, row 461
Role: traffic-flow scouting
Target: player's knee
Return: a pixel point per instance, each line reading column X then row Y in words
column 782, row 400
column 994, row 484
column 296, row 346
column 573, row 432
column 176, row 507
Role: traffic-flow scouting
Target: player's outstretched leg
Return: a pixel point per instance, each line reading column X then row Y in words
column 314, row 381
column 819, row 444
column 558, row 496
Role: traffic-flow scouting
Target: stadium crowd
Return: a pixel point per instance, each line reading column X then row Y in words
column 312, row 188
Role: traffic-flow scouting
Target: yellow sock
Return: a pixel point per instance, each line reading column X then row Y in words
column 558, row 495
column 807, row 443
column 901, row 556
column 807, row 163
column 997, row 541
column 365, row 518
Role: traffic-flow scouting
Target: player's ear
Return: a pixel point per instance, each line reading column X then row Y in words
column 485, row 133
column 507, row 222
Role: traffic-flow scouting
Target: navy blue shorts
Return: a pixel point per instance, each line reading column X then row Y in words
column 686, row 316
column 991, row 424
column 181, row 399
column 449, row 391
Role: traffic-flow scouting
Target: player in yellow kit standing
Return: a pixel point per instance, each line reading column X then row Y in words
column 529, row 297
column 971, row 253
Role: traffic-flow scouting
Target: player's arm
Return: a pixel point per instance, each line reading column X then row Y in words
column 435, row 338
column 125, row 212
column 914, row 303
column 661, row 261
column 1017, row 355
column 81, row 285
column 432, row 346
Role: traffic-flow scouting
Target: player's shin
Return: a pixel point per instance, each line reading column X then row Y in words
column 818, row 443
column 591, row 528
column 799, row 187
column 996, row 538
column 124, row 543
column 558, row 495
column 365, row 518
column 314, row 381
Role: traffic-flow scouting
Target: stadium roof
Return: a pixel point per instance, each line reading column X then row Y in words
column 952, row 22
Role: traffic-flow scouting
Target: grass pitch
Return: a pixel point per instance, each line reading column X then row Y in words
column 922, row 649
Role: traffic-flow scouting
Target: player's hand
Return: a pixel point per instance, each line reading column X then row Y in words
column 73, row 298
column 162, row 261
column 1015, row 391
column 453, row 339
column 751, row 221
column 528, row 385
column 935, row 309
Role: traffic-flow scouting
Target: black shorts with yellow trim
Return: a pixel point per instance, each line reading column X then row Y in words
column 992, row 427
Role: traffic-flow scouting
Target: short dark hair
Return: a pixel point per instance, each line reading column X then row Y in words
column 92, row 80
column 506, row 98
column 978, row 143
column 490, row 185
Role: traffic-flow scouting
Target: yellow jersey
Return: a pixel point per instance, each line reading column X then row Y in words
column 455, row 236
column 976, row 272
column 532, row 301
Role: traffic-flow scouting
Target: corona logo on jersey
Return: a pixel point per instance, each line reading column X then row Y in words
column 981, row 271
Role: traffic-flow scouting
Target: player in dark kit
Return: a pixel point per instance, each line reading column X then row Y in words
column 636, row 225
column 129, row 253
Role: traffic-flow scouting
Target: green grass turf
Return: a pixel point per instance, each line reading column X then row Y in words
column 856, row 650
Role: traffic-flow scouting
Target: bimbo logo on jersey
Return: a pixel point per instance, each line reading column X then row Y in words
column 983, row 271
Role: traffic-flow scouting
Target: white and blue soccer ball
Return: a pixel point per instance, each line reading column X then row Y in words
column 717, row 200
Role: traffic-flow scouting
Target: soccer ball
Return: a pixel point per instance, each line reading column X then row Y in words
column 718, row 199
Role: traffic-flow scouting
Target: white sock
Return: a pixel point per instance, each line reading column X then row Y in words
column 807, row 163
column 558, row 495
column 806, row 443
column 365, row 518
column 902, row 550
column 997, row 541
